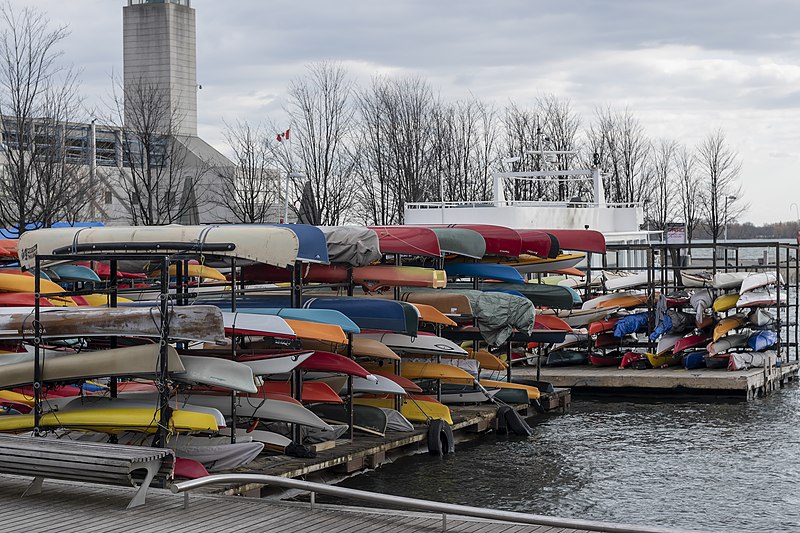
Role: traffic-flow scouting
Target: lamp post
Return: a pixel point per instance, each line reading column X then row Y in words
column 728, row 197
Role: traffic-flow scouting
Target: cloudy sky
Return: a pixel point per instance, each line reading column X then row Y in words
column 684, row 67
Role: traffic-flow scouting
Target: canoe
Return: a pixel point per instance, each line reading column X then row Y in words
column 726, row 343
column 725, row 302
column 360, row 348
column 745, row 360
column 332, row 362
column 728, row 324
column 624, row 301
column 407, row 240
column 107, row 402
column 762, row 340
column 532, row 392
column 129, row 361
column 486, row 360
column 762, row 297
column 322, row 316
column 312, row 242
column 71, row 273
column 382, row 385
column 667, row 342
column 579, row 240
column 566, row 358
column 112, row 420
column 717, row 361
column 269, row 438
column 691, row 341
column 422, row 344
column 244, row 324
column 694, row 360
column 316, row 331
column 446, row 302
column 530, row 264
column 372, row 277
column 500, row 240
column 372, row 313
column 193, row 271
column 663, row 360
column 415, row 409
column 216, row 372
column 460, row 241
column 450, row 373
column 313, row 391
column 254, row 407
column 758, row 280
column 728, row 280
column 581, row 317
column 571, row 339
column 538, row 243
column 484, row 271
column 367, row 418
column 22, row 283
column 462, row 394
column 595, row 302
column 626, row 280
column 696, row 279
column 428, row 313
column 612, row 358
column 192, row 323
column 261, row 244
column 275, row 363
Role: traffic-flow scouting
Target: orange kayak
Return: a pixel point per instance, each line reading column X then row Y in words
column 551, row 322
column 428, row 313
column 317, row 331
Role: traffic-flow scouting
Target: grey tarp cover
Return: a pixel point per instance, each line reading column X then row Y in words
column 352, row 245
column 700, row 301
column 499, row 313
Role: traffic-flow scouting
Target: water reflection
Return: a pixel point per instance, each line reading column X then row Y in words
column 718, row 466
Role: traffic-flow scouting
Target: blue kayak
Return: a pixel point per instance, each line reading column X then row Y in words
column 484, row 271
column 312, row 246
column 762, row 340
column 74, row 273
column 694, row 360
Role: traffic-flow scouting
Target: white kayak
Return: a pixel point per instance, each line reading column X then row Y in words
column 629, row 280
column 581, row 317
column 745, row 360
column 728, row 342
column 728, row 280
column 255, row 324
column 468, row 396
column 758, row 280
column 571, row 339
column 383, row 385
column 761, row 317
column 216, row 372
column 761, row 297
column 667, row 342
column 270, row 438
column 282, row 364
column 422, row 344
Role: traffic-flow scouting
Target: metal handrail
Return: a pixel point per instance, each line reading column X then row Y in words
column 413, row 503
column 519, row 203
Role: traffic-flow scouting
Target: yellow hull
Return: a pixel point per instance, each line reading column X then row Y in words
column 487, row 360
column 20, row 283
column 415, row 411
column 15, row 397
column 316, row 331
column 195, row 271
column 728, row 324
column 112, row 421
column 428, row 313
column 725, row 302
column 453, row 374
column 98, row 300
column 533, row 392
column 657, row 361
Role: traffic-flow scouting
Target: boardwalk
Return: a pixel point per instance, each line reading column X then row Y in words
column 65, row 507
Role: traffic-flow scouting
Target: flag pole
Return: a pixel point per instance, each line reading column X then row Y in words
column 286, row 137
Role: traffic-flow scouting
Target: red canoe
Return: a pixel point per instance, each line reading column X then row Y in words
column 538, row 243
column 371, row 276
column 499, row 239
column 333, row 362
column 579, row 240
column 408, row 240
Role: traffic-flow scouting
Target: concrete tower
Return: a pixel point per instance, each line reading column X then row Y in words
column 159, row 48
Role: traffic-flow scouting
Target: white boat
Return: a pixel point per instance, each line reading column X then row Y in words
column 761, row 317
column 119, row 362
column 574, row 282
column 728, row 280
column 667, row 342
column 256, row 324
column 272, row 245
column 728, row 342
column 216, row 372
column 624, row 280
column 696, row 279
column 758, row 280
column 382, row 385
column 764, row 296
column 396, row 421
column 571, row 339
column 581, row 317
column 270, row 438
column 422, row 344
column 468, row 396
column 282, row 364
column 745, row 360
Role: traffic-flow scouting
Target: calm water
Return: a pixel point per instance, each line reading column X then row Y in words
column 709, row 466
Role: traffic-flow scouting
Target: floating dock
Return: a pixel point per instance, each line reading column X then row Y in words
column 674, row 381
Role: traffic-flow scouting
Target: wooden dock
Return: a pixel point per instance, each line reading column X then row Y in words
column 66, row 507
column 673, row 381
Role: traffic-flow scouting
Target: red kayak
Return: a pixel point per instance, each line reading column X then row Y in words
column 407, row 240
column 692, row 341
column 551, row 322
column 407, row 384
column 189, row 468
column 499, row 239
column 606, row 340
column 104, row 271
column 313, row 391
column 538, row 243
column 22, row 299
column 635, row 360
column 613, row 358
column 579, row 240
column 601, row 326
column 333, row 362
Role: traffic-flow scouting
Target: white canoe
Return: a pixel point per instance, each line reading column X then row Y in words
column 254, row 324
column 119, row 362
column 758, row 280
column 282, row 364
column 422, row 344
column 272, row 245
column 728, row 280
column 696, row 279
column 728, row 342
column 624, row 280
column 216, row 372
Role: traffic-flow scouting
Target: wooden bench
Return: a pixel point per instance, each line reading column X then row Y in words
column 109, row 464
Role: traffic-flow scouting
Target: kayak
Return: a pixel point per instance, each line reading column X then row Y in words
column 663, row 360
column 694, row 360
column 111, row 420
column 420, row 345
column 416, row 408
column 612, row 358
column 725, row 302
column 726, row 343
column 728, row 324
column 532, row 392
column 758, row 280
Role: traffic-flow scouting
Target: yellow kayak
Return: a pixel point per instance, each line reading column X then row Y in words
column 416, row 370
column 533, row 392
column 98, row 300
column 361, row 348
column 667, row 359
column 728, row 324
column 487, row 360
column 416, row 411
column 316, row 331
column 725, row 302
column 195, row 271
column 15, row 397
column 20, row 283
column 110, row 420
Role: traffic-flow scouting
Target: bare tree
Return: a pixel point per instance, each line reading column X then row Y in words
column 249, row 190
column 38, row 102
column 322, row 121
column 719, row 167
column 159, row 181
column 689, row 192
column 560, row 129
column 660, row 172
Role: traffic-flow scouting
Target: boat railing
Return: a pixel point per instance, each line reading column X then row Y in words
column 444, row 509
column 520, row 203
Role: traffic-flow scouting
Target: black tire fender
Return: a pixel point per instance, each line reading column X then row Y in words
column 440, row 438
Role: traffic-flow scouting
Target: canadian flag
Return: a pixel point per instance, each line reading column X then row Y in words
column 283, row 136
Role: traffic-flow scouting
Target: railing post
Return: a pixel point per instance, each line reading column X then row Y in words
column 444, row 522
column 313, row 499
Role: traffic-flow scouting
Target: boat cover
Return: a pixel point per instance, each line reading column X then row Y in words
column 673, row 322
column 745, row 360
column 700, row 301
column 762, row 340
column 499, row 314
column 352, row 245
column 461, row 241
column 631, row 324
